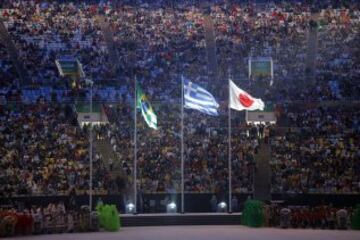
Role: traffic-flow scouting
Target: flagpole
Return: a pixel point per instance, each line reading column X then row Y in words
column 229, row 148
column 135, row 147
column 91, row 153
column 182, row 144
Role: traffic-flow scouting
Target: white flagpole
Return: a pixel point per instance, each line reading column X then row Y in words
column 182, row 144
column 246, row 116
column 229, row 148
column 91, row 153
column 135, row 147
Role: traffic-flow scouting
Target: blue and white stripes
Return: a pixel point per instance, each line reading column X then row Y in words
column 196, row 97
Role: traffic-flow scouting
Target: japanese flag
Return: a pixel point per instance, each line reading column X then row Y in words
column 241, row 100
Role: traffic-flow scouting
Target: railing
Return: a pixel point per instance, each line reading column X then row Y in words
column 193, row 202
column 114, row 95
column 57, row 194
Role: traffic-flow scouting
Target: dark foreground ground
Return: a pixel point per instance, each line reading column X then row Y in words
column 207, row 233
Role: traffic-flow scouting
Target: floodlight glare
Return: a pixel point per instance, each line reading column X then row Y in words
column 222, row 207
column 171, row 208
column 130, row 208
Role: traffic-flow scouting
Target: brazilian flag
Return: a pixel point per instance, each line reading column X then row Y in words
column 147, row 111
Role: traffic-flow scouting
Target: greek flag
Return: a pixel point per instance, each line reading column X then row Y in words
column 198, row 98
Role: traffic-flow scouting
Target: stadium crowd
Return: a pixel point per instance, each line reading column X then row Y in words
column 319, row 152
column 158, row 43
column 56, row 218
column 44, row 151
column 206, row 151
column 53, row 218
column 321, row 216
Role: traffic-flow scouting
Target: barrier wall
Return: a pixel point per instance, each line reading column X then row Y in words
column 156, row 203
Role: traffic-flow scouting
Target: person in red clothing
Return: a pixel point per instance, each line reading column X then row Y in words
column 322, row 215
column 295, row 218
column 20, row 227
column 312, row 217
column 7, row 223
column 5, row 14
column 318, row 217
column 306, row 218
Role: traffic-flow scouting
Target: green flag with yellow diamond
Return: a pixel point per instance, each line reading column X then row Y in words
column 147, row 111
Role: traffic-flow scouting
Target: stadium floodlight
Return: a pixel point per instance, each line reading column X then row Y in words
column 130, row 208
column 222, row 207
column 171, row 208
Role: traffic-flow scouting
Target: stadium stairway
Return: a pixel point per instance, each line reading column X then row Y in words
column 108, row 37
column 262, row 174
column 211, row 47
column 312, row 48
column 5, row 39
column 103, row 147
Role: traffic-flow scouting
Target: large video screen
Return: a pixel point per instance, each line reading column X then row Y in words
column 261, row 67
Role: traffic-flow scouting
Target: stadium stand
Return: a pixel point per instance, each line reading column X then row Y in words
column 314, row 144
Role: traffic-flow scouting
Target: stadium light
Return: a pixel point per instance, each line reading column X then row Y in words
column 130, row 208
column 222, row 207
column 171, row 208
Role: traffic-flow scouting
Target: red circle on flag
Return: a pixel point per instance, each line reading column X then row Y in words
column 245, row 100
